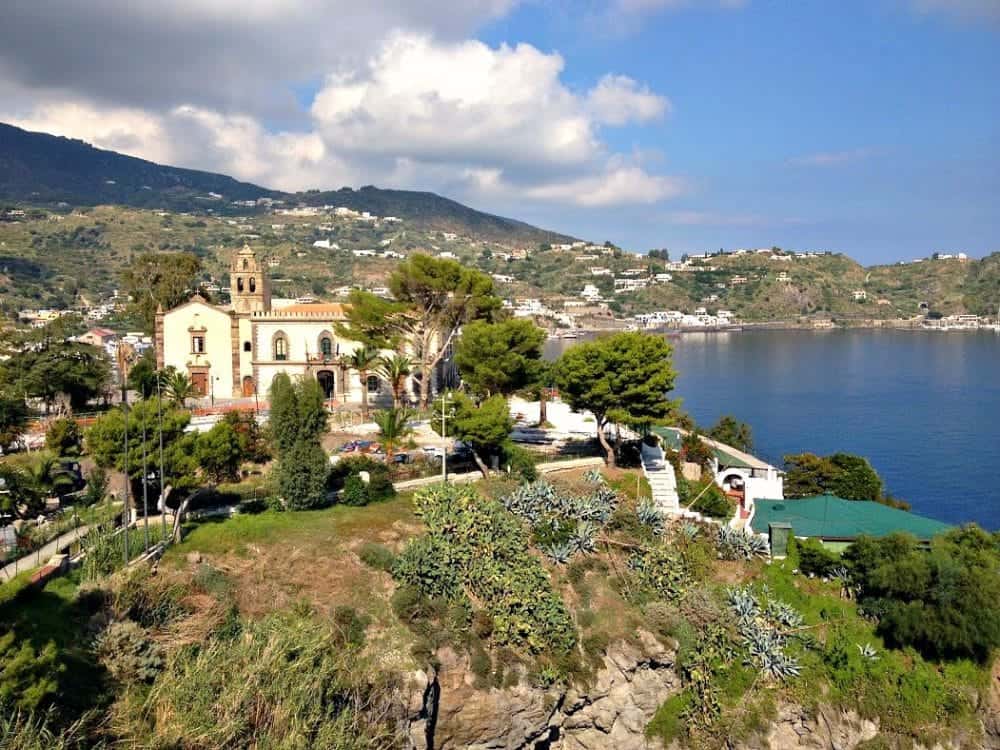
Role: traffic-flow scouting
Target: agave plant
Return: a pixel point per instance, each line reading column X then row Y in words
column 839, row 573
column 532, row 502
column 594, row 476
column 584, row 537
column 688, row 531
column 743, row 604
column 735, row 544
column 650, row 516
column 868, row 652
column 559, row 552
column 784, row 614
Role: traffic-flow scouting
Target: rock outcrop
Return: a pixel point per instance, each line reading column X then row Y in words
column 446, row 711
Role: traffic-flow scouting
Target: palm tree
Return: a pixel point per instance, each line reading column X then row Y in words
column 393, row 427
column 363, row 360
column 180, row 388
column 394, row 370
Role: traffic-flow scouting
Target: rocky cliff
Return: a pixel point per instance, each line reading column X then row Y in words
column 446, row 711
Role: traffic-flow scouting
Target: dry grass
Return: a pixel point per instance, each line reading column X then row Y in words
column 280, row 560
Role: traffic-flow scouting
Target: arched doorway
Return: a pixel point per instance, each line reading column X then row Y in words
column 328, row 382
column 248, row 386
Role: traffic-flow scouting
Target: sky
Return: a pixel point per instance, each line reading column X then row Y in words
column 870, row 127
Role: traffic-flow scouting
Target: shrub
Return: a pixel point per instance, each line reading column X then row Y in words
column 64, row 437
column 520, row 462
column 302, row 474
column 345, row 476
column 218, row 453
column 28, row 678
column 124, row 649
column 377, row 556
column 944, row 601
column 713, row 502
column 355, row 491
column 815, row 559
column 350, row 627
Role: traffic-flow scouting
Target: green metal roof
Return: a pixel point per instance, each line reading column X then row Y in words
column 831, row 517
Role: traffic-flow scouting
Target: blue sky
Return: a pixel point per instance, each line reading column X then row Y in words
column 866, row 127
column 862, row 126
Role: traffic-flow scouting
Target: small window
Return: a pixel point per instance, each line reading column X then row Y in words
column 326, row 346
column 198, row 344
column 280, row 349
column 373, row 384
column 247, row 347
column 239, row 284
column 253, row 284
column 246, row 265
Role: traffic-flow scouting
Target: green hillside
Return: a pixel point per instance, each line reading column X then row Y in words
column 88, row 211
column 43, row 169
column 60, row 258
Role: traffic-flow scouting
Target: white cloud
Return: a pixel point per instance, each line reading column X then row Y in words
column 459, row 117
column 460, row 102
column 832, row 158
column 618, row 185
column 616, row 100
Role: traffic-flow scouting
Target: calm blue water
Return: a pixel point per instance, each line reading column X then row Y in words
column 923, row 407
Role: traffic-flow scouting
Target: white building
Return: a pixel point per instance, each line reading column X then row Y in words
column 630, row 285
column 236, row 351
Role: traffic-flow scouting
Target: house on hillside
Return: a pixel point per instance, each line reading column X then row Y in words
column 743, row 477
column 837, row 522
column 100, row 337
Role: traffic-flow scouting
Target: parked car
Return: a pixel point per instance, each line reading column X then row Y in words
column 359, row 446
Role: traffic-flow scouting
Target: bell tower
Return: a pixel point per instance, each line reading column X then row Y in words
column 249, row 286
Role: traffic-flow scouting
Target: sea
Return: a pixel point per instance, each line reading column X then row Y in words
column 922, row 406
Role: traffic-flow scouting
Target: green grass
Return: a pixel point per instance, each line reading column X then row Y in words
column 337, row 523
column 668, row 723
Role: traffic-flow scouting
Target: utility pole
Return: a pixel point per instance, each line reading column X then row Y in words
column 445, row 400
column 163, row 479
column 124, row 354
column 145, row 485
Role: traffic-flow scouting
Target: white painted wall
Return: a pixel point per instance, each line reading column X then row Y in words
column 218, row 349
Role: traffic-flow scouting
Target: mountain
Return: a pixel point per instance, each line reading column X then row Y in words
column 39, row 168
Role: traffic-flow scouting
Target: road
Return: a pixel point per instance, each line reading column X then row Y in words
column 42, row 555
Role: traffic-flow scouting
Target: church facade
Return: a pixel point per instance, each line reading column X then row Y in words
column 236, row 351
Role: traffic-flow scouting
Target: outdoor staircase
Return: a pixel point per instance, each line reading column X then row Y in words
column 660, row 475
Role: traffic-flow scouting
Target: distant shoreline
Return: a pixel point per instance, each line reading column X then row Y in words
column 774, row 325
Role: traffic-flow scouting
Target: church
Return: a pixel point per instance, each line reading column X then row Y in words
column 235, row 351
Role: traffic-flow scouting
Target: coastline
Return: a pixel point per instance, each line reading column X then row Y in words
column 833, row 324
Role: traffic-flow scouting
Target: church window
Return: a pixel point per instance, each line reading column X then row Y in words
column 239, row 284
column 246, row 264
column 326, row 346
column 247, row 347
column 198, row 344
column 253, row 284
column 280, row 348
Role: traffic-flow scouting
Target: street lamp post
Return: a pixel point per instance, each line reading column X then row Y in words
column 445, row 400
